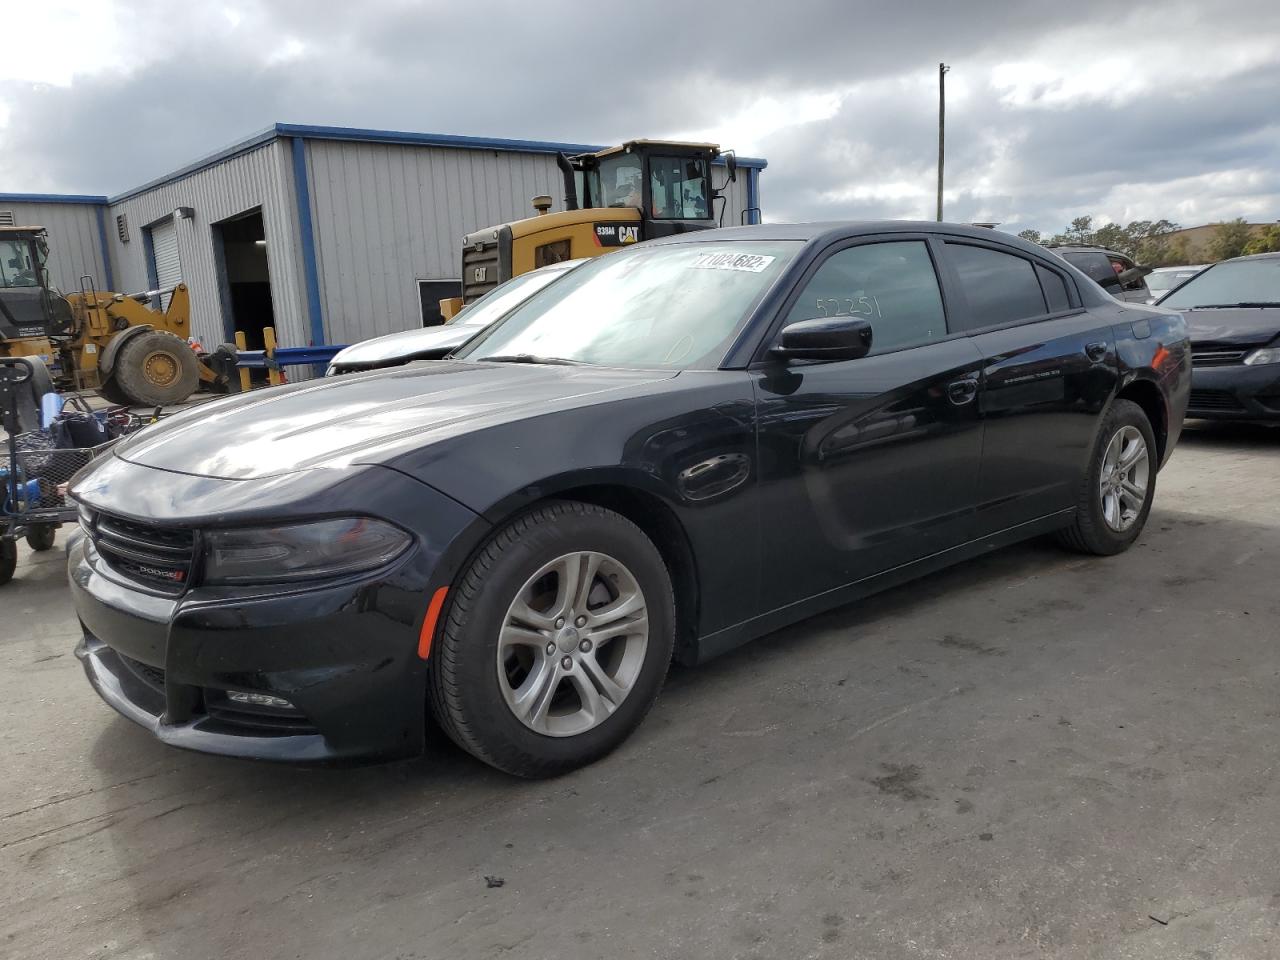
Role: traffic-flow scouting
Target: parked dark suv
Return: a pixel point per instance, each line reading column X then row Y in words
column 672, row 450
column 1115, row 272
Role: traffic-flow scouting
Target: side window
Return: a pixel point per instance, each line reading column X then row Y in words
column 1055, row 289
column 1000, row 287
column 1096, row 267
column 1119, row 266
column 892, row 285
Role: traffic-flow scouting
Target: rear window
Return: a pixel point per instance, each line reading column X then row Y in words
column 1000, row 287
column 1055, row 289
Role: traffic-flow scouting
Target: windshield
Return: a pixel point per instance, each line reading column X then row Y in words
column 16, row 267
column 1161, row 281
column 617, row 182
column 1228, row 284
column 504, row 297
column 676, row 306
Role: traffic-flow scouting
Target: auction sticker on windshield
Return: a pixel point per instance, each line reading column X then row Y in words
column 748, row 262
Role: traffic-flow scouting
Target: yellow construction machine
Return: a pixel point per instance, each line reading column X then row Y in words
column 613, row 198
column 94, row 339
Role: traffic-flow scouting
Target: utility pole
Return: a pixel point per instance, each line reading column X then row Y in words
column 942, row 128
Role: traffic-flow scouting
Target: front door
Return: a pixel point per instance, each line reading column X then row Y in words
column 871, row 463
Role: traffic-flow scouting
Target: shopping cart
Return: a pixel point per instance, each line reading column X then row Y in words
column 35, row 470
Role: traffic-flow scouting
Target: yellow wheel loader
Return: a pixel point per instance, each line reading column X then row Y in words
column 613, row 198
column 95, row 339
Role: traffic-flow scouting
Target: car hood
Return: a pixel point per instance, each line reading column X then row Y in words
column 366, row 418
column 405, row 345
column 1246, row 326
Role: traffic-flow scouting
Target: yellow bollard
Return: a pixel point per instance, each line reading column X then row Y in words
column 245, row 384
column 269, row 341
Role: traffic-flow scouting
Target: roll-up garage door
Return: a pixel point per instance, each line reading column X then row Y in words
column 164, row 247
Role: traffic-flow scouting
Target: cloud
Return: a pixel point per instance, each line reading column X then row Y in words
column 1156, row 110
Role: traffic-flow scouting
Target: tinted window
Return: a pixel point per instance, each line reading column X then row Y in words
column 678, row 186
column 1000, row 287
column 1095, row 266
column 893, row 285
column 1055, row 289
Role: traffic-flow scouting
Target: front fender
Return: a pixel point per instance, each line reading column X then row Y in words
column 107, row 360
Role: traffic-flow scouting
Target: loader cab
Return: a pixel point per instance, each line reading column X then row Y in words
column 27, row 306
column 669, row 183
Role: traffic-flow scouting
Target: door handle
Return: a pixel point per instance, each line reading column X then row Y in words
column 963, row 391
column 1095, row 351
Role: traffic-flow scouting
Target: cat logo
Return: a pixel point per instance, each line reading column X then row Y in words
column 617, row 234
column 480, row 275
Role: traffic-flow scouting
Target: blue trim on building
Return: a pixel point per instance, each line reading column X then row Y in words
column 50, row 198
column 244, row 146
column 353, row 134
column 106, row 252
column 302, row 191
column 149, row 254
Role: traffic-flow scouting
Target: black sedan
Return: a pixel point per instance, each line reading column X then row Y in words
column 670, row 451
column 1233, row 316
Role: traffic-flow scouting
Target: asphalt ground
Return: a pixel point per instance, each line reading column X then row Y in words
column 1036, row 754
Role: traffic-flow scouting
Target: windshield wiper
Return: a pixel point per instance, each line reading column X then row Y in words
column 1231, row 306
column 529, row 358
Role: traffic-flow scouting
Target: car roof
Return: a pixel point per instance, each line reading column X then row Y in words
column 1254, row 256
column 843, row 229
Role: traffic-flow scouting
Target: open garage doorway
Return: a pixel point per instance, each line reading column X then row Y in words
column 241, row 245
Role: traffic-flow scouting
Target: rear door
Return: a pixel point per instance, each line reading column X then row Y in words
column 871, row 463
column 1048, row 371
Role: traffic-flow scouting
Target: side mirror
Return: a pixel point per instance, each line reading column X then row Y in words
column 825, row 338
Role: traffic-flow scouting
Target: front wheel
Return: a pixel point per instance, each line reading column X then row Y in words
column 1114, row 498
column 556, row 641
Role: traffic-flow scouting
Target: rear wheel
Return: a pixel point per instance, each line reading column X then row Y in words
column 156, row 368
column 111, row 391
column 1114, row 498
column 556, row 641
column 41, row 537
column 8, row 560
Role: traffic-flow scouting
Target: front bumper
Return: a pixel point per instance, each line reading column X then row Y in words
column 1235, row 392
column 343, row 656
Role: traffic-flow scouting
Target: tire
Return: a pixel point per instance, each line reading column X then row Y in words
column 1093, row 530
column 110, row 390
column 472, row 694
column 41, row 537
column 155, row 369
column 8, row 560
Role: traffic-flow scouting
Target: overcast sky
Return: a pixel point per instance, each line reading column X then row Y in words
column 1121, row 111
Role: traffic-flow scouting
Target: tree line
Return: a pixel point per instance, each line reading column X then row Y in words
column 1149, row 242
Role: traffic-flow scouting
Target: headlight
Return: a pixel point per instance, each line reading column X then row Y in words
column 1265, row 355
column 301, row 551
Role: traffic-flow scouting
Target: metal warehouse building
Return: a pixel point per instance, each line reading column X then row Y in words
column 329, row 234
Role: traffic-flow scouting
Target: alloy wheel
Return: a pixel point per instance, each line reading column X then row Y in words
column 1122, row 485
column 572, row 644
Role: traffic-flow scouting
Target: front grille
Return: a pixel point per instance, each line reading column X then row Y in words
column 151, row 676
column 1214, row 400
column 158, row 556
column 481, row 271
column 1211, row 357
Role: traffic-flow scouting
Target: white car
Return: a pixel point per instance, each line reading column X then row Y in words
column 434, row 343
column 1163, row 279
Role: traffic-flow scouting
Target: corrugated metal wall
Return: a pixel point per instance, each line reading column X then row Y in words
column 75, row 249
column 262, row 177
column 386, row 216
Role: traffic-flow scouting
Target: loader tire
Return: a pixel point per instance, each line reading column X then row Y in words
column 110, row 390
column 156, row 368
